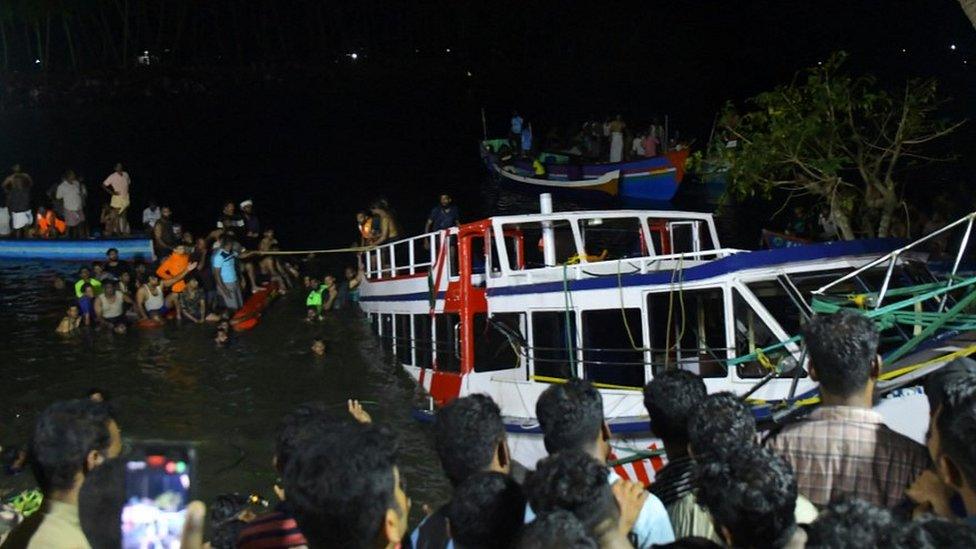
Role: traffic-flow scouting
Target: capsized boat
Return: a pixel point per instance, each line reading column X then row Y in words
column 511, row 304
column 653, row 179
column 130, row 249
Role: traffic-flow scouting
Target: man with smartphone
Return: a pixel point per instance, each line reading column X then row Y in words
column 70, row 439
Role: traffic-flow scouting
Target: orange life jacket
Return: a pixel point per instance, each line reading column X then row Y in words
column 48, row 220
column 171, row 267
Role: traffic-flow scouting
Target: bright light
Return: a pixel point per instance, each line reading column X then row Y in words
column 469, row 73
column 819, row 62
column 448, row 50
column 37, row 61
column 904, row 50
column 952, row 47
column 354, row 55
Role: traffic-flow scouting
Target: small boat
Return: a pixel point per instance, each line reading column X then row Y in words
column 248, row 316
column 608, row 183
column 508, row 305
column 653, row 179
column 773, row 240
column 130, row 249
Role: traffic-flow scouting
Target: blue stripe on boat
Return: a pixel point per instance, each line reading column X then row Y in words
column 76, row 250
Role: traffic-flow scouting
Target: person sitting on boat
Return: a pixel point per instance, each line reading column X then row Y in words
column 71, row 321
column 49, row 225
column 844, row 447
column 110, row 306
column 85, row 277
column 444, row 216
column 150, row 216
column 571, row 417
column 164, row 237
column 150, row 301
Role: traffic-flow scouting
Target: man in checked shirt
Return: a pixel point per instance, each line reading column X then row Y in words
column 844, row 447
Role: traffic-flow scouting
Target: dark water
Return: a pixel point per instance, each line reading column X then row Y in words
column 175, row 384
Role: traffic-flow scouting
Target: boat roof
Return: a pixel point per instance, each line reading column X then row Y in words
column 663, row 214
column 718, row 267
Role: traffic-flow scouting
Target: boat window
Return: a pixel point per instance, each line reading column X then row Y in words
column 386, row 331
column 511, row 249
column 613, row 341
column 478, row 255
column 751, row 333
column 452, row 253
column 498, row 341
column 565, row 244
column 788, row 308
column 422, row 343
column 447, row 345
column 404, row 339
column 685, row 237
column 695, row 338
column 612, row 238
column 660, row 240
column 549, row 344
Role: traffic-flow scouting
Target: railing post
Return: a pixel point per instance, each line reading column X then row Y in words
column 955, row 264
column 369, row 269
column 411, row 243
column 393, row 268
column 887, row 279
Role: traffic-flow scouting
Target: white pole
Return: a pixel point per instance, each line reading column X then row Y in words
column 548, row 237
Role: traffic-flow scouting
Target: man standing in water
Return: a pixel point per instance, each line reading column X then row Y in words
column 117, row 184
column 444, row 216
column 225, row 274
column 18, row 186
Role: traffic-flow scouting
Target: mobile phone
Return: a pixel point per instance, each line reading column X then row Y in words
column 159, row 478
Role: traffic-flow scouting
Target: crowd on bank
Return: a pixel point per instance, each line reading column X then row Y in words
column 836, row 478
column 609, row 141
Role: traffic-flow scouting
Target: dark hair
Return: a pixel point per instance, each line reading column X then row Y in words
column 487, row 511
column 570, row 414
column 556, row 529
column 934, row 533
column 572, row 481
column 752, row 494
column 100, row 503
column 110, row 250
column 467, row 433
column 64, row 434
column 86, row 286
column 341, row 484
column 842, row 347
column 946, row 376
column 671, row 398
column 691, row 542
column 296, row 428
column 851, row 523
column 721, row 424
column 956, row 424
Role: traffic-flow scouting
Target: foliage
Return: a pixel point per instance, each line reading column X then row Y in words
column 838, row 138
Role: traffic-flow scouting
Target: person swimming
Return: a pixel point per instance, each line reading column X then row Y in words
column 71, row 321
column 318, row 347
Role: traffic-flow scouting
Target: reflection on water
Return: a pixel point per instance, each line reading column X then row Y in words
column 174, row 383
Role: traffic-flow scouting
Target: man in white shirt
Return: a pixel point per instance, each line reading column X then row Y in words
column 72, row 193
column 117, row 184
column 151, row 215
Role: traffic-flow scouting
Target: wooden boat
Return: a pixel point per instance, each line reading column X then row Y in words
column 130, row 249
column 508, row 305
column 773, row 240
column 608, row 183
column 654, row 179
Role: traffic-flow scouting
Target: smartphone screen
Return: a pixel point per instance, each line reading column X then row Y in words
column 158, row 478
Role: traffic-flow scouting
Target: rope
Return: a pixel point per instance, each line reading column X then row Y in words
column 681, row 299
column 307, row 252
column 566, row 299
column 623, row 312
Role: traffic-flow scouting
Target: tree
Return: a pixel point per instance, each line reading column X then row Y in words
column 839, row 138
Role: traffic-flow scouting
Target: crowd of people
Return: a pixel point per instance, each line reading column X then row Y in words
column 837, row 478
column 610, row 140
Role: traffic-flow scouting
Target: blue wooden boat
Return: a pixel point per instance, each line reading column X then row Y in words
column 76, row 250
column 647, row 179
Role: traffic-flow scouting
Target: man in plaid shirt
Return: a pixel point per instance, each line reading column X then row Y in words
column 844, row 448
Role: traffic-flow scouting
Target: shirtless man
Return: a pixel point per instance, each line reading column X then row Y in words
column 110, row 306
column 71, row 322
